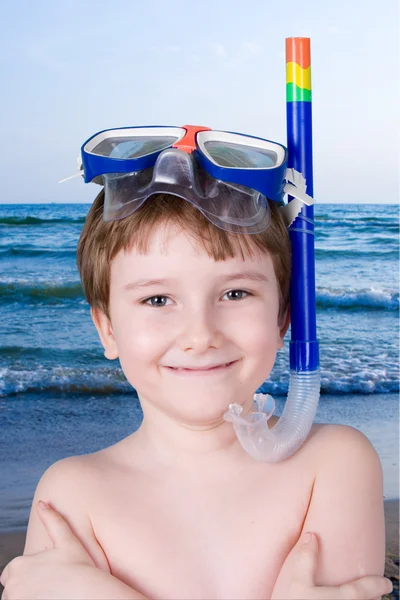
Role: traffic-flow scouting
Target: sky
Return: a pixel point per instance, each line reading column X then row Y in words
column 72, row 68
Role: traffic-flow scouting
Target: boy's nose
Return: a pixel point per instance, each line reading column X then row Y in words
column 199, row 333
column 188, row 143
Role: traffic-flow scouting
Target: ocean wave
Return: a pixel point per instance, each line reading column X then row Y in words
column 376, row 221
column 50, row 353
column 103, row 380
column 45, row 293
column 329, row 253
column 382, row 240
column 355, row 299
column 37, row 252
column 19, row 221
column 362, row 229
column 337, row 386
column 62, row 379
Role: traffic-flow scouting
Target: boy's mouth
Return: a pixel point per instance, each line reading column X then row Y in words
column 204, row 370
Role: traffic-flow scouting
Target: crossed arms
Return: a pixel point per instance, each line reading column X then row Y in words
column 346, row 512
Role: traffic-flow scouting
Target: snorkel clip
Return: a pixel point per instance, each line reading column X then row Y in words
column 295, row 186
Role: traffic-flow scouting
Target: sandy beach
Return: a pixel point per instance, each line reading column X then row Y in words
column 392, row 546
column 12, row 544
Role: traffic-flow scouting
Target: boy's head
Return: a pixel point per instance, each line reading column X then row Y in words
column 203, row 319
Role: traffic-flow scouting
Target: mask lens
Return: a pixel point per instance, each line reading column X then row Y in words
column 226, row 154
column 132, row 146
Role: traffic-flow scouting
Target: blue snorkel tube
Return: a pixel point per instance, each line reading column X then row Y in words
column 286, row 437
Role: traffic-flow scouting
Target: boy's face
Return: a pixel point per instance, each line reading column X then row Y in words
column 195, row 320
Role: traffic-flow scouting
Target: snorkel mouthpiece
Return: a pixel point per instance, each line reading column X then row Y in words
column 285, row 438
column 253, row 431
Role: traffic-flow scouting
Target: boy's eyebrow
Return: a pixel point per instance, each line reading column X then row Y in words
column 249, row 275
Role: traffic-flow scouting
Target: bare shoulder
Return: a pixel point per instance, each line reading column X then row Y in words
column 331, row 445
column 64, row 486
column 338, row 440
column 58, row 483
column 318, row 437
column 346, row 510
column 334, row 435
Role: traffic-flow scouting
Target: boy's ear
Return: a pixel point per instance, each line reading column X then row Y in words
column 284, row 326
column 104, row 329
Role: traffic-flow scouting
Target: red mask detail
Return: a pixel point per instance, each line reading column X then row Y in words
column 187, row 143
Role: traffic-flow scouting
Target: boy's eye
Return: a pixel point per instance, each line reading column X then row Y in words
column 152, row 298
column 157, row 304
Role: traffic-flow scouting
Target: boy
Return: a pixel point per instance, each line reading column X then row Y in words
column 178, row 509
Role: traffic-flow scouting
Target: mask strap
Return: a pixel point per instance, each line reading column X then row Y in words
column 79, row 171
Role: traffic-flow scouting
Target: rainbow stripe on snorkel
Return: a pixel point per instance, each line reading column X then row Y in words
column 304, row 350
column 298, row 70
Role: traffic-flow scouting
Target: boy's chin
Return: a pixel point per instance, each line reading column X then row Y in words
column 205, row 414
column 197, row 408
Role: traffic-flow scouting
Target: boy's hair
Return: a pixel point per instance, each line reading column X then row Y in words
column 100, row 241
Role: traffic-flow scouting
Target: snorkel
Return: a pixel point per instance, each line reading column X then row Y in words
column 286, row 437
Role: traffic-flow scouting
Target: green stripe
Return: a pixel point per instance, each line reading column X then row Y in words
column 296, row 94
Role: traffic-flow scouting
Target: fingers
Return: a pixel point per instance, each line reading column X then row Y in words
column 306, row 560
column 389, row 585
column 58, row 529
column 4, row 576
column 366, row 588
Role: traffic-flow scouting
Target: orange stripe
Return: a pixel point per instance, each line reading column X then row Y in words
column 188, row 142
column 298, row 51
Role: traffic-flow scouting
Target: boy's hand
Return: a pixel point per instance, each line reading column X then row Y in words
column 64, row 571
column 302, row 586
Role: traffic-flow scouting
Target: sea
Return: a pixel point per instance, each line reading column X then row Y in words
column 59, row 396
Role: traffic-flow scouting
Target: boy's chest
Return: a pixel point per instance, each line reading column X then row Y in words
column 229, row 542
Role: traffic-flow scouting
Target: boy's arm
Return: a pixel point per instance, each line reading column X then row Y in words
column 346, row 512
column 60, row 487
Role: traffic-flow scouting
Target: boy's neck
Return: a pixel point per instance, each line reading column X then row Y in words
column 172, row 444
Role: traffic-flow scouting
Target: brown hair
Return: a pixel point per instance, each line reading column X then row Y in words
column 100, row 241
